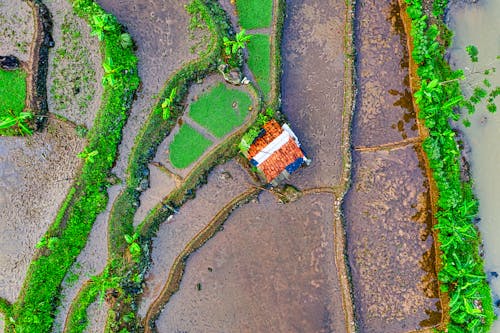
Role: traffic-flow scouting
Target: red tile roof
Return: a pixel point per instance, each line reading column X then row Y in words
column 277, row 162
column 273, row 130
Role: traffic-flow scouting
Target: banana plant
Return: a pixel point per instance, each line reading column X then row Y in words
column 111, row 73
column 134, row 247
column 232, row 46
column 88, row 156
column 18, row 121
column 168, row 103
column 102, row 23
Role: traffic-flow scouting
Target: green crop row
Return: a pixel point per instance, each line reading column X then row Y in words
column 461, row 273
column 34, row 310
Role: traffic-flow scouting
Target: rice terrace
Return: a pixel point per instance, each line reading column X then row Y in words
column 220, row 166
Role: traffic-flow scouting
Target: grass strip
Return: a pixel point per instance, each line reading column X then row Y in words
column 461, row 274
column 254, row 14
column 12, row 96
column 187, row 146
column 259, row 61
column 221, row 109
column 34, row 310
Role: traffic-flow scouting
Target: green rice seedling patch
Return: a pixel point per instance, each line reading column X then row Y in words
column 255, row 14
column 221, row 109
column 12, row 91
column 187, row 146
column 259, row 61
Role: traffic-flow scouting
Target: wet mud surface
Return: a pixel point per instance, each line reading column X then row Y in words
column 312, row 86
column 224, row 183
column 389, row 244
column 17, row 29
column 160, row 31
column 271, row 269
column 160, row 185
column 382, row 76
column 74, row 86
column 97, row 314
column 35, row 176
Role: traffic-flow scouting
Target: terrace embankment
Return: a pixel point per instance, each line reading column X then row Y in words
column 161, row 32
column 271, row 268
column 387, row 209
column 36, row 173
column 224, row 183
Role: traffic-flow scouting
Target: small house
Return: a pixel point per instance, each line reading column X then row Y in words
column 276, row 152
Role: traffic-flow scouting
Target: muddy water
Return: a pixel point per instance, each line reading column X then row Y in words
column 271, row 269
column 477, row 24
column 312, row 85
column 389, row 245
column 382, row 65
column 224, row 183
column 390, row 248
column 35, row 175
column 160, row 29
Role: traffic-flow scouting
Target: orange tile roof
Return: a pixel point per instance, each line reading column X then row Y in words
column 273, row 130
column 279, row 160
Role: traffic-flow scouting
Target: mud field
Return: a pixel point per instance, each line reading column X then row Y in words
column 36, row 174
column 16, row 29
column 270, row 269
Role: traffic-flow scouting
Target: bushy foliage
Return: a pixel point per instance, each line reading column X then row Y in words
column 461, row 274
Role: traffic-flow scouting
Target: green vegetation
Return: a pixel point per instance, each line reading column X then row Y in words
column 221, row 109
column 253, row 132
column 255, row 14
column 34, row 310
column 168, row 104
column 187, row 146
column 240, row 42
column 12, row 103
column 259, row 61
column 461, row 274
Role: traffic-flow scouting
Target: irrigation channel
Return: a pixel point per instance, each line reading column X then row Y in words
column 477, row 24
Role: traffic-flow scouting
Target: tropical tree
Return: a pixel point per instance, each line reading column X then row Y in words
column 232, row 46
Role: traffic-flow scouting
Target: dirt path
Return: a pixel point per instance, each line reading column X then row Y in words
column 387, row 210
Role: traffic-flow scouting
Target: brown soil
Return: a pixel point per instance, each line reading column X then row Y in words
column 36, row 173
column 160, row 30
column 16, row 29
column 313, row 86
column 390, row 244
column 75, row 71
column 383, row 84
column 224, row 183
column 271, row 269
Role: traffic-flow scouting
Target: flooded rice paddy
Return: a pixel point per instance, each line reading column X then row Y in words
column 224, row 183
column 35, row 176
column 389, row 241
column 477, row 24
column 271, row 269
column 313, row 86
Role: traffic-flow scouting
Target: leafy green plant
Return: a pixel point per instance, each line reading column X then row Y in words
column 111, row 72
column 240, row 42
column 461, row 275
column 102, row 23
column 19, row 122
column 126, row 40
column 168, row 104
column 473, row 52
column 88, row 156
column 134, row 247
